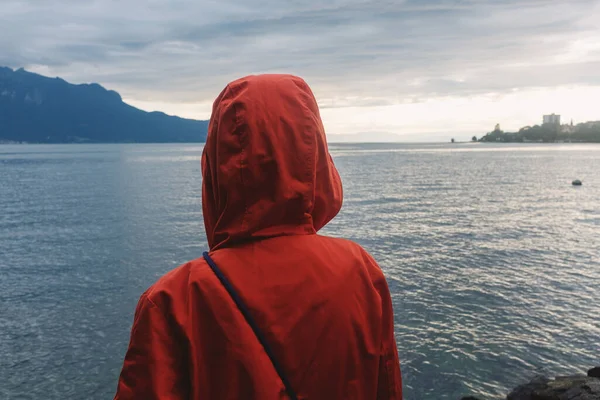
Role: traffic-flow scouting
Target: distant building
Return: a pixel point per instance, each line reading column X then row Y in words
column 552, row 119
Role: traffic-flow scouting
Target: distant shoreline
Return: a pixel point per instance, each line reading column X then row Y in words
column 87, row 143
column 587, row 132
column 488, row 143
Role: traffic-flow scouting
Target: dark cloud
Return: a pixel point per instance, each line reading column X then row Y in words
column 352, row 52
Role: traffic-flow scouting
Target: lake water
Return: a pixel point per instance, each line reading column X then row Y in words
column 492, row 257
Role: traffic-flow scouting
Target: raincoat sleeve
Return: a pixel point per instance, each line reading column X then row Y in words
column 153, row 367
column 389, row 385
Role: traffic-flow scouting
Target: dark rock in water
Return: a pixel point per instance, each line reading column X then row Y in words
column 575, row 387
column 525, row 392
column 577, row 182
column 578, row 387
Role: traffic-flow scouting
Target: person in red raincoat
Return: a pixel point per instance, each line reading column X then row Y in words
column 322, row 303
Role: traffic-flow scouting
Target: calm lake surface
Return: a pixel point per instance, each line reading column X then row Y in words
column 492, row 257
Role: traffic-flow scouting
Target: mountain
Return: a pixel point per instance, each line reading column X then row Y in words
column 388, row 137
column 38, row 109
column 362, row 137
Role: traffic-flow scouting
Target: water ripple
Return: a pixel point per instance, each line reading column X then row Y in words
column 492, row 258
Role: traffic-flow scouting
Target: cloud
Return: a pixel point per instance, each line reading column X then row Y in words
column 353, row 53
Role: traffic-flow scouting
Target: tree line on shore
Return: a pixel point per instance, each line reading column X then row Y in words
column 587, row 132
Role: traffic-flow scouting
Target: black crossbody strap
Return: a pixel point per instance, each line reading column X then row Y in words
column 246, row 313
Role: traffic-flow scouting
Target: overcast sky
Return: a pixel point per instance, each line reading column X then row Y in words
column 424, row 69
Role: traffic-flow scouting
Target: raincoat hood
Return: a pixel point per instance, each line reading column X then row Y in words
column 266, row 167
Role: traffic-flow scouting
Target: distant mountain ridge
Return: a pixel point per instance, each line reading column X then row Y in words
column 363, row 137
column 38, row 109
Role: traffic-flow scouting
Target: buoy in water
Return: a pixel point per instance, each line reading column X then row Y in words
column 577, row 182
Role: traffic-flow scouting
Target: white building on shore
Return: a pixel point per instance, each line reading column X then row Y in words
column 552, row 119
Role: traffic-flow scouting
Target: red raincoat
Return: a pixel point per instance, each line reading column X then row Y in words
column 269, row 184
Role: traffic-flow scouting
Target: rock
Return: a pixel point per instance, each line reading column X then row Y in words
column 525, row 392
column 594, row 372
column 577, row 387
